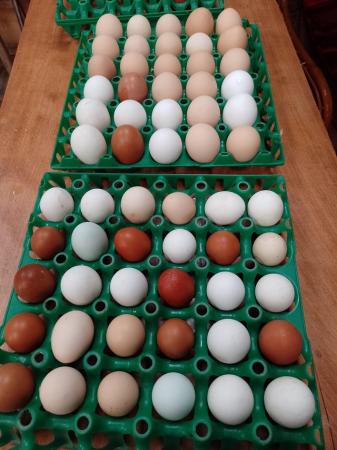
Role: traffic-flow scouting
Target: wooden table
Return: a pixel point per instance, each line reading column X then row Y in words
column 29, row 119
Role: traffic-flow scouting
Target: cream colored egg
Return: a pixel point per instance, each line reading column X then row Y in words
column 110, row 25
column 199, row 42
column 202, row 143
column 101, row 65
column 125, row 335
column 179, row 208
column 200, row 20
column 106, row 46
column 168, row 22
column 200, row 62
column 138, row 24
column 201, row 83
column 270, row 249
column 167, row 63
column 137, row 204
column 203, row 109
column 235, row 37
column 234, row 59
column 228, row 18
column 243, row 143
column 134, row 63
column 168, row 43
column 166, row 85
column 137, row 44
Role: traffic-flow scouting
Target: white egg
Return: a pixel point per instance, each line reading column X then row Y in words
column 128, row 287
column 230, row 399
column 173, row 396
column 56, row 203
column 167, row 113
column 228, row 341
column 71, row 337
column 138, row 24
column 165, row 146
column 179, row 246
column 225, row 291
column 88, row 144
column 99, row 88
column 265, row 208
column 274, row 292
column 96, row 205
column 89, row 241
column 224, row 208
column 240, row 110
column 270, row 249
column 80, row 285
column 138, row 204
column 168, row 23
column 199, row 42
column 92, row 112
column 289, row 402
column 130, row 112
column 237, row 82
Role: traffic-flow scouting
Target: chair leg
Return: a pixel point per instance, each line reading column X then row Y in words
column 19, row 13
column 4, row 57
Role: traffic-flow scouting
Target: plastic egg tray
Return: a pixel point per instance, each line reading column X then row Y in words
column 145, row 428
column 270, row 152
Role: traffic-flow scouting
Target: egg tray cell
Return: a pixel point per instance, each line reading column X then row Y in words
column 76, row 15
column 200, row 429
column 270, row 152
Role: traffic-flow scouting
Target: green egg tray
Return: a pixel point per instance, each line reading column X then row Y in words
column 270, row 152
column 75, row 15
column 144, row 428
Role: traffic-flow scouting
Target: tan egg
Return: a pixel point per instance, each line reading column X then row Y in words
column 179, row 208
column 199, row 42
column 234, row 59
column 200, row 62
column 228, row 18
column 203, row 109
column 134, row 63
column 167, row 63
column 125, row 335
column 110, row 25
column 101, row 65
column 235, row 37
column 137, row 44
column 168, row 43
column 269, row 249
column 168, row 22
column 201, row 83
column 243, row 143
column 105, row 45
column 138, row 24
column 200, row 20
column 166, row 85
column 202, row 143
column 118, row 394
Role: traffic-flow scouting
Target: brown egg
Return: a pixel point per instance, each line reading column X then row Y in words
column 127, row 144
column 179, row 208
column 200, row 62
column 166, row 85
column 132, row 86
column 175, row 339
column 16, row 386
column 228, row 18
column 280, row 342
column 201, row 83
column 203, row 109
column 137, row 44
column 25, row 332
column 234, row 59
column 176, row 288
column 106, row 46
column 167, row 63
column 134, row 63
column 132, row 244
column 168, row 43
column 34, row 283
column 125, row 335
column 46, row 242
column 223, row 247
column 200, row 20
column 110, row 25
column 101, row 65
column 234, row 37
column 202, row 143
column 243, row 143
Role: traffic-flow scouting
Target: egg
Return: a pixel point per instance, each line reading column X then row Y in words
column 56, row 203
column 166, row 86
column 200, row 61
column 89, row 241
column 176, row 287
column 133, row 62
column 225, row 291
column 24, row 332
column 179, row 208
column 274, row 292
column 132, row 244
column 33, row 283
column 179, row 246
column 16, row 386
column 167, row 113
column 199, row 42
column 228, row 341
column 80, row 285
column 234, row 37
column 62, row 390
column 105, row 45
column 223, row 247
column 137, row 204
column 130, row 112
column 224, row 208
column 240, row 110
column 168, row 43
column 175, row 339
column 46, row 242
column 132, row 86
column 101, row 65
column 234, row 59
column 173, row 396
column 167, row 62
column 243, row 143
column 228, row 18
column 137, row 44
column 88, row 144
column 92, row 112
column 110, row 25
column 230, row 399
column 128, row 287
column 125, row 335
column 270, row 249
column 168, row 23
column 71, row 337
column 127, row 144
column 139, row 25
column 99, row 88
column 237, row 82
column 96, row 205
column 202, row 143
column 165, row 146
column 265, row 208
column 289, row 402
column 203, row 109
column 200, row 20
column 118, row 394
column 201, row 83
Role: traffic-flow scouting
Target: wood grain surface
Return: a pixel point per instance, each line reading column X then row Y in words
column 28, row 124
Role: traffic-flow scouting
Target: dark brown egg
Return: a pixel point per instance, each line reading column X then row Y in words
column 127, row 144
column 25, row 332
column 223, row 247
column 46, row 242
column 132, row 244
column 132, row 86
column 175, row 339
column 16, row 386
column 34, row 283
